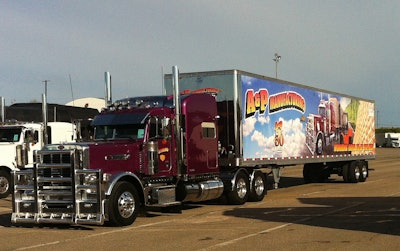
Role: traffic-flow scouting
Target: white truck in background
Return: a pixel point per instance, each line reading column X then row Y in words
column 388, row 139
column 19, row 140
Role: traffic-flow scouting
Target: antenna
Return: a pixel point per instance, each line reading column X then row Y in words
column 163, row 91
column 72, row 93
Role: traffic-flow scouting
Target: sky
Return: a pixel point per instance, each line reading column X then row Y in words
column 346, row 46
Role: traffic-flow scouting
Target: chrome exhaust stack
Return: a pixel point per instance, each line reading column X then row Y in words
column 108, row 98
column 45, row 119
column 3, row 109
column 178, row 128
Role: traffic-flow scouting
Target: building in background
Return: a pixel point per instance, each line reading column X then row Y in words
column 94, row 103
column 32, row 112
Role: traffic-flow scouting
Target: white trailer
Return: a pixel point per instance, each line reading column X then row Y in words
column 267, row 122
column 388, row 139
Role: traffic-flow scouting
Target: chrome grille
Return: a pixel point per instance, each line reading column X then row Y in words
column 58, row 191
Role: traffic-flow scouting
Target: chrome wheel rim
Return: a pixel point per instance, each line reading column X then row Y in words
column 357, row 172
column 364, row 172
column 241, row 188
column 126, row 204
column 4, row 185
column 259, row 186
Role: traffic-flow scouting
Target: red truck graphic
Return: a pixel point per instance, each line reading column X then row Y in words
column 327, row 128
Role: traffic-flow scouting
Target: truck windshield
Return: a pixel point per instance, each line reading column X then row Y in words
column 321, row 110
column 134, row 131
column 10, row 134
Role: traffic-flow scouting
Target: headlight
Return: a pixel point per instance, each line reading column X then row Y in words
column 25, row 179
column 90, row 179
column 24, row 184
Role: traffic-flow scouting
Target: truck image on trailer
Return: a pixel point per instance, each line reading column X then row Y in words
column 214, row 134
column 329, row 127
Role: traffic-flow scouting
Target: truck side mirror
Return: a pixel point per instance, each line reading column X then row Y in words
column 31, row 137
column 166, row 127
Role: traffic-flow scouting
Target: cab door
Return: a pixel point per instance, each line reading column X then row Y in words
column 200, row 130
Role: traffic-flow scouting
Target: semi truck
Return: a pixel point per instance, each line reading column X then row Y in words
column 212, row 134
column 388, row 139
column 18, row 141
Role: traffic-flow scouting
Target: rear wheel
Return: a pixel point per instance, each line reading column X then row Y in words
column 345, row 172
column 124, row 204
column 240, row 191
column 354, row 172
column 5, row 183
column 258, row 187
column 363, row 171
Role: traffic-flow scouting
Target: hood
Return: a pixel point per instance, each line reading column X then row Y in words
column 111, row 156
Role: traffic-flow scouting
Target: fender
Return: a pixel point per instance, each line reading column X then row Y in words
column 126, row 176
column 229, row 178
column 251, row 177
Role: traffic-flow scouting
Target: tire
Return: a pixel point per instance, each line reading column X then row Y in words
column 319, row 145
column 124, row 204
column 354, row 172
column 345, row 172
column 240, row 192
column 5, row 183
column 258, row 187
column 363, row 171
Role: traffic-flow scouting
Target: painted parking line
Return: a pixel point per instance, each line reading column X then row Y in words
column 233, row 241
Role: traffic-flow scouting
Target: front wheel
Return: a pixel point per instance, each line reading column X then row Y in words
column 240, row 191
column 124, row 204
column 5, row 183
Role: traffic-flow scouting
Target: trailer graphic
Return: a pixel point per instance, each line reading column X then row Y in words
column 312, row 122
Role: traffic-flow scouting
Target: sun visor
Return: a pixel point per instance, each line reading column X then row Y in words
column 119, row 119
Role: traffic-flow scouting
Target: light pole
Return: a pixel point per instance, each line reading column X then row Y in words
column 276, row 59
